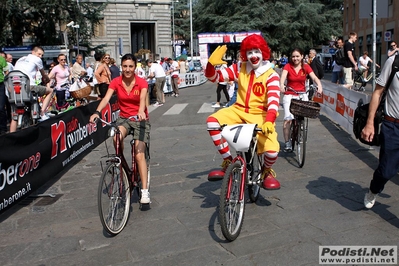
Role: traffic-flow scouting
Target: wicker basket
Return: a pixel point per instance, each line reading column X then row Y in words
column 81, row 93
column 309, row 109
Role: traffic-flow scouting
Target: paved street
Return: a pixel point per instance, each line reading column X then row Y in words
column 320, row 204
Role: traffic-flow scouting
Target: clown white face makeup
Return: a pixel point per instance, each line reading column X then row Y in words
column 255, row 57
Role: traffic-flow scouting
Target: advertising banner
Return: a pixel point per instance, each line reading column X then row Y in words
column 31, row 157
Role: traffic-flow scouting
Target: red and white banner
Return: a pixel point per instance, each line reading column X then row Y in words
column 339, row 104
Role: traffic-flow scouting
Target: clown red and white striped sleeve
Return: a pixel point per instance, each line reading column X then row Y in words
column 226, row 74
column 273, row 97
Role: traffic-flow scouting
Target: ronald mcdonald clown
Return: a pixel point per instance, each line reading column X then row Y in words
column 257, row 102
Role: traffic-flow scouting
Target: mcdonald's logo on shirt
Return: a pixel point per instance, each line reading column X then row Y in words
column 258, row 89
column 136, row 92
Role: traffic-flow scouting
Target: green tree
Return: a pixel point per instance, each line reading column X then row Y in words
column 284, row 24
column 41, row 20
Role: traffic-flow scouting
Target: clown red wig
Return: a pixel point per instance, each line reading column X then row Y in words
column 254, row 41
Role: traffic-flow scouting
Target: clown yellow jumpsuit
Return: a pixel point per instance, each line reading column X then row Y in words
column 257, row 102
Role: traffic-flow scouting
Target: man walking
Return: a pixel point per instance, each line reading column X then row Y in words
column 174, row 74
column 157, row 72
column 388, row 165
column 350, row 60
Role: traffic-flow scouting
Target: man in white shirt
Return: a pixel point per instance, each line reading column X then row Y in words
column 174, row 73
column 77, row 69
column 30, row 65
column 156, row 71
column 89, row 71
column 9, row 62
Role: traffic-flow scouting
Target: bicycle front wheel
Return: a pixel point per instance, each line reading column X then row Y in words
column 114, row 199
column 301, row 141
column 231, row 208
column 294, row 133
column 255, row 175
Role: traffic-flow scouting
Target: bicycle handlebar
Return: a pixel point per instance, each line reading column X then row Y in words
column 311, row 87
column 257, row 129
column 133, row 117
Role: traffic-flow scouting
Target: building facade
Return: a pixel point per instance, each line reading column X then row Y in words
column 131, row 26
column 387, row 25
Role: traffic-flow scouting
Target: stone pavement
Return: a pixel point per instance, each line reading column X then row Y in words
column 320, row 204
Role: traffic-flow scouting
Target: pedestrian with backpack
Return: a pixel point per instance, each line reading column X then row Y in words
column 388, row 165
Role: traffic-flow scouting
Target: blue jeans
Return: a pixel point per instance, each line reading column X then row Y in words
column 3, row 116
column 389, row 156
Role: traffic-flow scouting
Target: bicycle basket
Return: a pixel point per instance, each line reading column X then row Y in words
column 81, row 93
column 309, row 109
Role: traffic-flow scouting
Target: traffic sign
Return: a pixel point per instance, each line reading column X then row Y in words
column 387, row 36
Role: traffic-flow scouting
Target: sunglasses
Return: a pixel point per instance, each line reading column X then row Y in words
column 106, row 57
column 62, row 59
column 393, row 45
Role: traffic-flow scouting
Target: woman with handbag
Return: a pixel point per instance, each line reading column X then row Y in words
column 103, row 75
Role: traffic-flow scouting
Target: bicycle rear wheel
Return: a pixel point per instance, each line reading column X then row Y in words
column 254, row 175
column 301, row 141
column 26, row 120
column 114, row 199
column 231, row 209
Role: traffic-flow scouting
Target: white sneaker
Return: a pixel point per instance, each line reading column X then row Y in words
column 157, row 104
column 145, row 196
column 288, row 146
column 44, row 117
column 216, row 105
column 369, row 199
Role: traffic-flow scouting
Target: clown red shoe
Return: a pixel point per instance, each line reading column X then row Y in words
column 269, row 180
column 217, row 175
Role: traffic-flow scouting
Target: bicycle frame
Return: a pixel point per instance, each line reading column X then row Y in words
column 242, row 158
column 121, row 161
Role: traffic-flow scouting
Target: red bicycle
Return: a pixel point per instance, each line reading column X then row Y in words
column 118, row 182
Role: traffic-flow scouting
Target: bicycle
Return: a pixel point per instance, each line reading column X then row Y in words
column 118, row 182
column 360, row 82
column 245, row 170
column 301, row 110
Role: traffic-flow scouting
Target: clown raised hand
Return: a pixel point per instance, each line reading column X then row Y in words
column 217, row 55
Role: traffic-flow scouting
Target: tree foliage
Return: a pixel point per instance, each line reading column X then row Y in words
column 285, row 24
column 42, row 19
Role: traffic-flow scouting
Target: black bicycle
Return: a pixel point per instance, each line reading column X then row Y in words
column 302, row 110
column 360, row 82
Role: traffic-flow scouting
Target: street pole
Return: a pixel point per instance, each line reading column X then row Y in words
column 77, row 38
column 191, row 30
column 173, row 30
